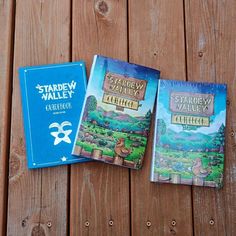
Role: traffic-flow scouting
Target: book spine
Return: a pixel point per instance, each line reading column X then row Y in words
column 82, row 112
column 26, row 116
column 81, row 159
column 152, row 179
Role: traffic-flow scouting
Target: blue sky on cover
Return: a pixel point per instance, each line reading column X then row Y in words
column 219, row 91
column 104, row 65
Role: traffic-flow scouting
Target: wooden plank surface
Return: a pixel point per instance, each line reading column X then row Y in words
column 99, row 192
column 211, row 48
column 37, row 199
column 6, row 26
column 156, row 33
column 103, row 199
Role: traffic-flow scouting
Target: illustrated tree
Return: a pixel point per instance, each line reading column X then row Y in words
column 102, row 142
column 91, row 105
column 106, row 124
column 219, row 139
column 141, row 124
column 148, row 115
column 161, row 128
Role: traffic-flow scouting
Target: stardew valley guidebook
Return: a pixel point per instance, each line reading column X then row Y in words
column 189, row 133
column 117, row 112
column 52, row 100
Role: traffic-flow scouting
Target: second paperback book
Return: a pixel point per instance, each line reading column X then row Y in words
column 115, row 123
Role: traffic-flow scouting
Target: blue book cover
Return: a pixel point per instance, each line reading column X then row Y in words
column 52, row 99
column 117, row 111
column 189, row 138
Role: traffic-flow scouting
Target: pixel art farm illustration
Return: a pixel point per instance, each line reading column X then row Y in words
column 189, row 134
column 117, row 112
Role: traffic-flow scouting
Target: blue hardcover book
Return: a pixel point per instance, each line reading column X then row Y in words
column 189, row 138
column 52, row 99
column 114, row 127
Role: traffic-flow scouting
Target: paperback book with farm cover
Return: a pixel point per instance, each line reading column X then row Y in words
column 52, row 100
column 117, row 112
column 189, row 133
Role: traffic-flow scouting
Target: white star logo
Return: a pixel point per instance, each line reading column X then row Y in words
column 64, row 158
column 61, row 134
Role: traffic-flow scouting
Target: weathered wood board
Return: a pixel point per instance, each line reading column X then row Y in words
column 99, row 192
column 6, row 48
column 37, row 199
column 156, row 39
column 193, row 40
column 211, row 48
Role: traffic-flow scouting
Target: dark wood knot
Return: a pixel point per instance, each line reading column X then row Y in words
column 102, row 7
column 200, row 54
column 38, row 230
column 15, row 165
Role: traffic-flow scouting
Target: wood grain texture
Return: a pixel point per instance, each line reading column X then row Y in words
column 156, row 33
column 99, row 192
column 211, row 50
column 6, row 26
column 37, row 199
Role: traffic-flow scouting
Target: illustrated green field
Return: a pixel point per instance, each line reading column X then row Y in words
column 104, row 139
column 180, row 162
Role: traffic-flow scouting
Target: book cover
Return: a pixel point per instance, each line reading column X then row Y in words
column 52, row 100
column 117, row 112
column 189, row 133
